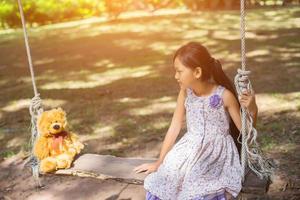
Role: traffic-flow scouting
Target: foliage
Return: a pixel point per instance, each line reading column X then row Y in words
column 48, row 11
column 51, row 11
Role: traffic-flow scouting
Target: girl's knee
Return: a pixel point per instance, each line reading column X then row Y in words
column 228, row 196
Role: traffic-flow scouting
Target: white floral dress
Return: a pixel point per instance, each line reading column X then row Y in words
column 205, row 160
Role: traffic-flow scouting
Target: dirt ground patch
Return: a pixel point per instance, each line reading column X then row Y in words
column 115, row 80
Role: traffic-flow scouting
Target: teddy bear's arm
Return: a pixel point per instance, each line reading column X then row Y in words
column 41, row 149
column 76, row 143
column 73, row 137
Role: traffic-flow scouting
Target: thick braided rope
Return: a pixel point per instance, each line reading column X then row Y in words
column 243, row 113
column 35, row 107
column 250, row 154
column 35, row 110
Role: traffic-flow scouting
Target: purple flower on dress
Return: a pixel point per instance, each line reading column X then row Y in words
column 214, row 101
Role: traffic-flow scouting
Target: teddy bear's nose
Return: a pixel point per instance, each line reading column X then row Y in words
column 56, row 127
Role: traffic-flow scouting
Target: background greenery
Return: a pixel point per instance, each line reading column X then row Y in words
column 40, row 12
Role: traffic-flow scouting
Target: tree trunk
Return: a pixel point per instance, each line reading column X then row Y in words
column 230, row 4
column 214, row 4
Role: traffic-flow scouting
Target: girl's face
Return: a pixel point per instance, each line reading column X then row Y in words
column 185, row 76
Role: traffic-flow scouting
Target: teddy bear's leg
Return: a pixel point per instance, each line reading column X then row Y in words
column 64, row 161
column 48, row 165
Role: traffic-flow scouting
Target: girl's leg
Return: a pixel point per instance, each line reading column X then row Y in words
column 228, row 196
column 220, row 196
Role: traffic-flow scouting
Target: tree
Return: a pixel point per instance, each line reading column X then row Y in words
column 211, row 4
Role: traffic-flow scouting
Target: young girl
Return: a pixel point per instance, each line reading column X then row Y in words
column 204, row 163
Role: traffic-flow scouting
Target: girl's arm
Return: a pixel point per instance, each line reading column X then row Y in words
column 247, row 100
column 170, row 138
column 175, row 127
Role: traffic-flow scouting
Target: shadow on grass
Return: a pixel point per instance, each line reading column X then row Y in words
column 115, row 80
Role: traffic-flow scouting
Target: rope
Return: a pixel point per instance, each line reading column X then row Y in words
column 35, row 107
column 250, row 155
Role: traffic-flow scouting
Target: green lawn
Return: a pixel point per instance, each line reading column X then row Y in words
column 115, row 79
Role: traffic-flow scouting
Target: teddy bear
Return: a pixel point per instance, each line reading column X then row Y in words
column 55, row 147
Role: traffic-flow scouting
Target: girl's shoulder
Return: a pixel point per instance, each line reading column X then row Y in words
column 217, row 91
column 228, row 97
column 188, row 91
column 220, row 90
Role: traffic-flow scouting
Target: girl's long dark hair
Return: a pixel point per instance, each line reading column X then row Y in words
column 193, row 55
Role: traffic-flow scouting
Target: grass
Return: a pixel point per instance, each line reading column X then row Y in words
column 7, row 154
column 115, row 79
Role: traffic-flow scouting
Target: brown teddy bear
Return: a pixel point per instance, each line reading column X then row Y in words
column 55, row 147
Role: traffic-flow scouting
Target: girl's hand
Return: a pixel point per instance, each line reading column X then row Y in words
column 247, row 100
column 147, row 167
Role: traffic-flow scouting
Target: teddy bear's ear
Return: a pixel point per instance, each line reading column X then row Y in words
column 59, row 109
column 62, row 112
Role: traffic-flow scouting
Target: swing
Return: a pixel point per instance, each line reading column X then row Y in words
column 254, row 165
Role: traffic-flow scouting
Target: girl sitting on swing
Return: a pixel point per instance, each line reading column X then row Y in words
column 204, row 163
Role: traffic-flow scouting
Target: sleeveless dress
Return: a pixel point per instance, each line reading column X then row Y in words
column 205, row 162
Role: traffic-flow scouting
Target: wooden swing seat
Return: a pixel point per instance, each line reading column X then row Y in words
column 121, row 169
